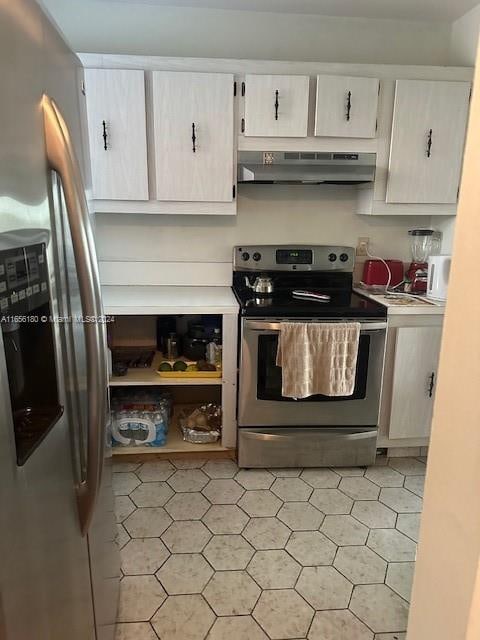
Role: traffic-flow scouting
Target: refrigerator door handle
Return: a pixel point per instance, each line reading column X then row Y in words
column 61, row 158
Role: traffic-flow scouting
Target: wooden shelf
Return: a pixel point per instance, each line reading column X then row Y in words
column 176, row 445
column 150, row 377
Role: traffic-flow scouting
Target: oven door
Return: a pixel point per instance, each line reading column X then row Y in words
column 260, row 391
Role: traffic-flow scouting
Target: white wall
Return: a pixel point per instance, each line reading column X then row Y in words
column 266, row 214
column 116, row 27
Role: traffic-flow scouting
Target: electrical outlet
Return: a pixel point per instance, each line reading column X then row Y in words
column 362, row 246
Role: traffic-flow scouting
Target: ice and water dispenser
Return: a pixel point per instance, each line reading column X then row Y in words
column 28, row 341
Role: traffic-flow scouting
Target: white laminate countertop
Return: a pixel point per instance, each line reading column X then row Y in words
column 162, row 300
column 422, row 307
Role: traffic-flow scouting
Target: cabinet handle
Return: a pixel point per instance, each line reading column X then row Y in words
column 276, row 105
column 105, row 135
column 431, row 385
column 194, row 138
column 429, row 143
column 349, row 105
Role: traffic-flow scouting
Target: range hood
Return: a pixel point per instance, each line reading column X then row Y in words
column 305, row 167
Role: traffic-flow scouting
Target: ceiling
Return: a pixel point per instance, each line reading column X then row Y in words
column 431, row 10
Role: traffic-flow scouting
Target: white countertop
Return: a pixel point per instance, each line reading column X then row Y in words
column 162, row 300
column 420, row 307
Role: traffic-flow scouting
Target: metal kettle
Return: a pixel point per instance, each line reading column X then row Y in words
column 262, row 286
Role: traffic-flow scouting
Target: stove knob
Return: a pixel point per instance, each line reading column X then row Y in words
column 332, row 257
column 245, row 256
column 344, row 257
column 257, row 256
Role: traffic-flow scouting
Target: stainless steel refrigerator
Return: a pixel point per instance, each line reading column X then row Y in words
column 59, row 563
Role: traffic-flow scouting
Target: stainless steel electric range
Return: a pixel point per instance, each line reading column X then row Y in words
column 306, row 284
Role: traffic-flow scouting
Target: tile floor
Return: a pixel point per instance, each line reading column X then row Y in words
column 217, row 553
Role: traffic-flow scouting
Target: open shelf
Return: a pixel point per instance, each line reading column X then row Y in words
column 150, row 377
column 175, row 445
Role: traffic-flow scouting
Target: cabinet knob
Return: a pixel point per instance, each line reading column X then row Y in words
column 276, row 105
column 194, row 138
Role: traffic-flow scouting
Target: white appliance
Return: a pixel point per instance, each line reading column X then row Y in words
column 438, row 273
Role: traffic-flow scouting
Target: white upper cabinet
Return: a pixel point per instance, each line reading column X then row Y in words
column 429, row 123
column 193, row 136
column 276, row 106
column 346, row 107
column 417, row 350
column 117, row 133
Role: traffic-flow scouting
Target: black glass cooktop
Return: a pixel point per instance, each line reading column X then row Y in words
column 343, row 303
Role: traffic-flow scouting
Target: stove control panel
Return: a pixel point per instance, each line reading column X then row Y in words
column 293, row 258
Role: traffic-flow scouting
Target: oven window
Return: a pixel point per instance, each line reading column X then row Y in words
column 269, row 376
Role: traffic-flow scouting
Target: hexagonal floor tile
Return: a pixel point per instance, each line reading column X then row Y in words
column 400, row 578
column 282, row 613
column 147, row 523
column 143, row 556
column 186, row 536
column 359, row 488
column 236, row 628
column 360, row 565
column 409, row 524
column 291, row 489
column 384, row 476
column 260, row 503
column 135, row 631
column 255, row 479
column 120, row 466
column 401, row 500
column 390, row 636
column 311, row 548
column 225, row 491
column 155, row 471
column 415, row 484
column 331, row 501
column 187, row 506
column 408, row 466
column 344, row 530
column 140, row 597
column 338, row 625
column 349, row 471
column 183, row 618
column 151, row 494
column 189, row 463
column 228, row 552
column 186, row 480
column 324, row 588
column 122, row 536
column 220, row 468
column 300, row 516
column 231, row 593
column 124, row 483
column 374, row 514
column 266, row 533
column 274, row 569
column 392, row 545
column 185, row 573
column 123, row 508
column 225, row 518
column 379, row 608
column 321, row 478
column 286, row 473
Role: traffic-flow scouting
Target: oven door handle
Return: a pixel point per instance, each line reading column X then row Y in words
column 275, row 326
column 330, row 435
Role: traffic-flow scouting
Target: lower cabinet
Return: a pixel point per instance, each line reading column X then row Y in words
column 410, row 379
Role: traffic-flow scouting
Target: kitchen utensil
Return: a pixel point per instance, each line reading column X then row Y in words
column 262, row 286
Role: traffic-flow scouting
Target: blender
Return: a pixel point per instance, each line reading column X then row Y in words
column 424, row 243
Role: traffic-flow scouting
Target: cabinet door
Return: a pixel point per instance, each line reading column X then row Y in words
column 193, row 134
column 426, row 152
column 276, row 105
column 117, row 133
column 416, row 359
column 346, row 107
